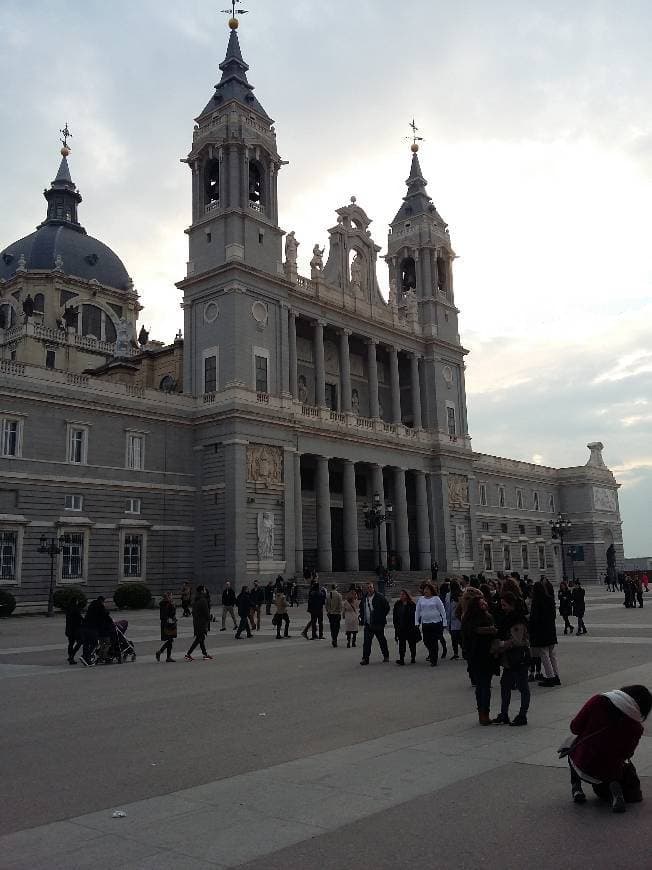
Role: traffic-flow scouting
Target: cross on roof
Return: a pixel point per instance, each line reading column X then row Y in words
column 414, row 136
column 66, row 135
column 233, row 11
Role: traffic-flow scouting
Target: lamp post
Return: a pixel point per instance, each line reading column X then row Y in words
column 52, row 547
column 374, row 516
column 559, row 527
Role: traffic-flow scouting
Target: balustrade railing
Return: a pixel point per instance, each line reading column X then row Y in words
column 11, row 367
column 309, row 411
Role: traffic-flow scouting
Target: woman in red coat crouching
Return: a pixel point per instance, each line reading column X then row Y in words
column 608, row 729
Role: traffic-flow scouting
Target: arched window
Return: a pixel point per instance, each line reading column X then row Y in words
column 212, row 181
column 39, row 303
column 109, row 330
column 92, row 321
column 408, row 274
column 7, row 316
column 256, row 184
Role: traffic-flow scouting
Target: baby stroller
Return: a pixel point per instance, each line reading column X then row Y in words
column 117, row 647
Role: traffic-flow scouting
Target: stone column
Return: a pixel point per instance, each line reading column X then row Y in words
column 395, row 385
column 298, row 518
column 324, row 551
column 349, row 502
column 372, row 365
column 285, row 352
column 423, row 522
column 238, row 517
column 234, row 194
column 426, row 274
column 345, row 371
column 289, row 493
column 401, row 519
column 379, row 487
column 416, row 390
column 320, row 371
column 292, row 341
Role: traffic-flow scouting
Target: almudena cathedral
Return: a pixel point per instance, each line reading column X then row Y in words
column 253, row 444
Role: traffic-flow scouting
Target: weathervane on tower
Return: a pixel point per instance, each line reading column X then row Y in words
column 233, row 21
column 65, row 151
column 415, row 139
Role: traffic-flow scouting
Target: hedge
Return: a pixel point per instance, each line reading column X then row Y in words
column 7, row 603
column 135, row 596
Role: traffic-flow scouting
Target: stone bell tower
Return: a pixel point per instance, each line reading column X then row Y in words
column 234, row 165
column 420, row 258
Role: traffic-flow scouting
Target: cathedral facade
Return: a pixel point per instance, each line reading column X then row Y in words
column 259, row 442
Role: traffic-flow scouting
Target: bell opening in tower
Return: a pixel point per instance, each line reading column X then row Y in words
column 256, row 186
column 212, row 181
column 408, row 274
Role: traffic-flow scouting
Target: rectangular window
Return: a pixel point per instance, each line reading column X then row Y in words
column 331, row 396
column 501, row 496
column 542, row 557
column 551, row 504
column 72, row 557
column 11, row 437
column 50, row 359
column 525, row 557
column 8, row 551
column 503, row 528
column 74, row 502
column 135, row 451
column 483, row 494
column 485, row 527
column 521, row 529
column 507, row 558
column 77, row 445
column 262, row 385
column 451, row 421
column 133, row 506
column 519, row 499
column 132, row 555
column 535, row 500
column 538, row 531
column 487, row 559
column 210, row 374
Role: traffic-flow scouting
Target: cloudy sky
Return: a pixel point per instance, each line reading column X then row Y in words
column 538, row 153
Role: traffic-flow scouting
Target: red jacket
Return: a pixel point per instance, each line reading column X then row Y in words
column 602, row 756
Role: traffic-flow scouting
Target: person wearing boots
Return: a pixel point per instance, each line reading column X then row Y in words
column 543, row 633
column 334, row 612
column 201, row 616
column 405, row 630
column 565, row 597
column 579, row 607
column 228, row 603
column 478, row 634
column 167, row 614
column 351, row 613
column 607, row 731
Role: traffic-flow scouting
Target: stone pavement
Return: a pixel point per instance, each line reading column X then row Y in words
column 288, row 754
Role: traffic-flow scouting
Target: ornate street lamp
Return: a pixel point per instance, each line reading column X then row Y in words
column 560, row 527
column 374, row 516
column 52, row 547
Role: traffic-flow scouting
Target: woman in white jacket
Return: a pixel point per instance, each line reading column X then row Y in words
column 430, row 615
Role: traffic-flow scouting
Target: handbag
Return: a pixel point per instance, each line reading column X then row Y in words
column 170, row 628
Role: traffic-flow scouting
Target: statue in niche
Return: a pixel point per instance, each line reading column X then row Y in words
column 355, row 402
column 317, row 262
column 123, row 338
column 412, row 305
column 265, row 529
column 458, row 491
column 460, row 540
column 291, row 248
column 70, row 317
column 302, row 389
column 356, row 272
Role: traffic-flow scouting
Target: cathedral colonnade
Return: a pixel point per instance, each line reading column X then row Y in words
column 329, row 500
column 332, row 368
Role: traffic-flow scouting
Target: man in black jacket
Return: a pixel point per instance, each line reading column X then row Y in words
column 228, row 603
column 373, row 616
column 316, row 611
column 269, row 597
column 244, row 606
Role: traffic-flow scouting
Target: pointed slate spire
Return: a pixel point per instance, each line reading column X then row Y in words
column 63, row 197
column 234, row 84
column 416, row 201
column 63, row 175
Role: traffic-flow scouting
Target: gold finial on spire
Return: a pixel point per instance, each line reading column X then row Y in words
column 65, row 151
column 233, row 21
column 414, row 147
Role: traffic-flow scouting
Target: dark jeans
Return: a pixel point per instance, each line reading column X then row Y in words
column 316, row 619
column 73, row 647
column 334, row 622
column 371, row 632
column 167, row 646
column 89, row 638
column 514, row 678
column 244, row 626
column 580, row 624
column 456, row 640
column 351, row 637
column 432, row 634
column 283, row 618
column 198, row 642
column 567, row 624
column 482, row 689
column 403, row 643
column 535, row 664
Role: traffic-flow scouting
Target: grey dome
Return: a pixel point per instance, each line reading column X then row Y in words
column 82, row 255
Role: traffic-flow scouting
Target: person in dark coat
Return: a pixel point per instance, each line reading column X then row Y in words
column 608, row 729
column 269, row 597
column 243, row 602
column 478, row 633
column 374, row 608
column 543, row 632
column 579, row 607
column 74, row 619
column 514, row 654
column 201, row 616
column 405, row 630
column 565, row 597
column 228, row 603
column 167, row 613
column 316, row 611
column 97, row 626
column 186, row 598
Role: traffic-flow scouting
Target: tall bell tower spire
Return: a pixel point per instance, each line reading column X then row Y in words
column 234, row 165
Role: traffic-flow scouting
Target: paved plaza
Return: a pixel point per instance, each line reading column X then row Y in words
column 287, row 754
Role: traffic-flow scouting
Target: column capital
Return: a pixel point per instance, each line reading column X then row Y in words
column 345, row 331
column 415, row 354
column 369, row 341
column 319, row 321
column 285, row 306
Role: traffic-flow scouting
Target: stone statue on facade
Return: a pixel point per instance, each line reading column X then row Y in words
column 302, row 389
column 460, row 540
column 412, row 305
column 123, row 338
column 291, row 248
column 317, row 262
column 356, row 272
column 265, row 529
column 355, row 402
column 58, row 263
